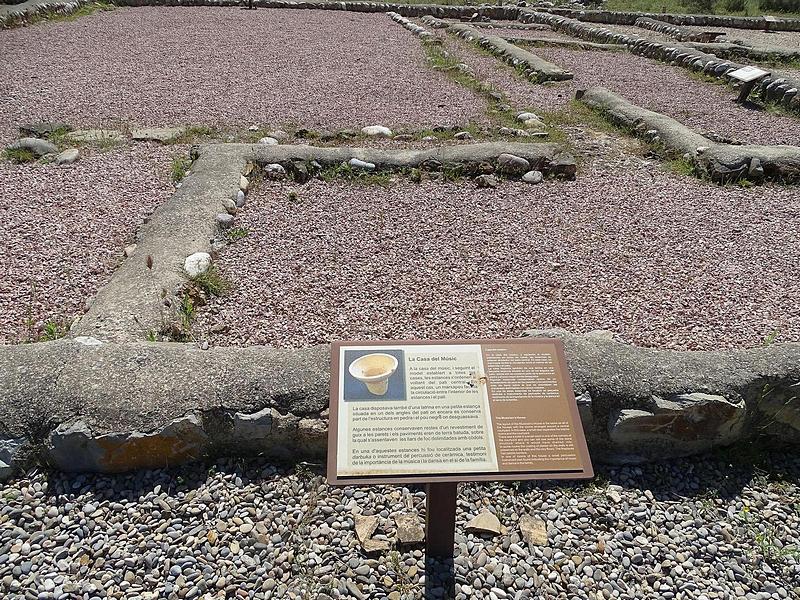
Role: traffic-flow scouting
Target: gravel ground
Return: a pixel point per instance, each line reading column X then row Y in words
column 650, row 84
column 217, row 65
column 62, row 229
column 627, row 247
column 702, row 528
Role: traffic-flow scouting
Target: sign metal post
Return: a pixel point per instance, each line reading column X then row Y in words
column 440, row 525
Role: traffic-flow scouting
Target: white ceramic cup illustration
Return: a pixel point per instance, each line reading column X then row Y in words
column 374, row 370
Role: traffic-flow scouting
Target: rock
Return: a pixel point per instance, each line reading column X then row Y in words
column 510, row 164
column 463, row 135
column 409, row 529
column 535, row 124
column 376, row 130
column 38, row 147
column 90, row 136
column 365, row 526
column 42, row 129
column 275, row 171
column 527, row 116
column 268, row 141
column 243, row 183
column 484, row 522
column 74, row 447
column 67, row 157
column 486, row 181
column 229, row 205
column 354, row 591
column 197, row 263
column 685, row 423
column 533, row 177
column 224, row 220
column 253, row 128
column 403, row 137
column 755, row 171
column 534, row 531
column 240, row 199
column 164, row 135
column 279, row 135
column 9, row 455
column 129, row 250
column 361, row 164
column 219, row 328
column 373, row 545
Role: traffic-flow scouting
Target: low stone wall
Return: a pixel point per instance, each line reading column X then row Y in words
column 23, row 16
column 673, row 31
column 629, row 18
column 722, row 163
column 86, row 405
column 407, row 10
column 412, row 27
column 754, row 53
column 534, row 68
column 776, row 89
column 143, row 298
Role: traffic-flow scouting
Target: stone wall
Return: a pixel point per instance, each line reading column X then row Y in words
column 776, row 89
column 87, row 405
column 533, row 67
column 629, row 18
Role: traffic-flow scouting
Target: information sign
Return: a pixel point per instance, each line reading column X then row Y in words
column 453, row 410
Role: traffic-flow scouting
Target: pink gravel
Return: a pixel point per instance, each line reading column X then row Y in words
column 661, row 260
column 169, row 66
column 63, row 229
column 705, row 107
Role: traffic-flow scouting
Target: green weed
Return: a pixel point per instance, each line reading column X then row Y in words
column 180, row 165
column 345, row 171
column 770, row 338
column 195, row 133
column 19, row 156
column 681, row 166
column 54, row 329
column 211, row 282
column 237, row 233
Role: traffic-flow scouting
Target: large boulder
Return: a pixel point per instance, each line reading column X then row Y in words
column 35, row 145
column 683, row 424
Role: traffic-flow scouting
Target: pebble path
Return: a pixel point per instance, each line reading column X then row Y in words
column 702, row 528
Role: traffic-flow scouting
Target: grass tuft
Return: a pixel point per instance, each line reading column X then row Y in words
column 212, row 282
column 180, row 166
column 19, row 156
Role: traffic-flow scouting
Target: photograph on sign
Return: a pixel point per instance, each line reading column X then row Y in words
column 423, row 411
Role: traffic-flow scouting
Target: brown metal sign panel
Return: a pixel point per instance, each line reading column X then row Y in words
column 453, row 410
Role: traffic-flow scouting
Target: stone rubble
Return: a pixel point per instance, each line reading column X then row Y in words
column 709, row 527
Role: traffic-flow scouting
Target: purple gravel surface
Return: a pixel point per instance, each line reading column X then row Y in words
column 661, row 260
column 166, row 66
column 62, row 229
column 705, row 107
